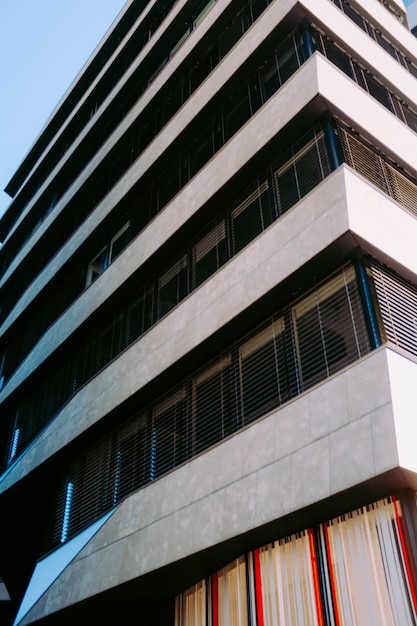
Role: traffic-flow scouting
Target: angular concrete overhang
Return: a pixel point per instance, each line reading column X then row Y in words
column 344, row 210
column 317, row 84
column 335, row 440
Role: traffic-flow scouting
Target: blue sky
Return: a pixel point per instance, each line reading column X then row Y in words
column 43, row 46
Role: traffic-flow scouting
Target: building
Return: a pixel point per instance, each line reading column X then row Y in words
column 208, row 325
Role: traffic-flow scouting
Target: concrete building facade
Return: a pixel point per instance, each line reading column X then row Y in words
column 208, row 325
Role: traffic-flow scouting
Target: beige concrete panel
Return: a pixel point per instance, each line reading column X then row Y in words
column 273, row 491
column 257, row 446
column 310, row 474
column 328, row 407
column 367, row 385
column 225, row 294
column 384, row 438
column 351, row 455
column 292, row 427
column 239, row 506
column 343, row 456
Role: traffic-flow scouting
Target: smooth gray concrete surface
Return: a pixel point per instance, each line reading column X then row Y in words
column 321, row 218
column 345, row 431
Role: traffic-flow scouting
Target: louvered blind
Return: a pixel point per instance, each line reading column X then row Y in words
column 302, row 344
column 329, row 329
column 397, row 300
column 299, row 170
column 367, row 162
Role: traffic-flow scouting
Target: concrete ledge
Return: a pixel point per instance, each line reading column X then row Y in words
column 346, row 431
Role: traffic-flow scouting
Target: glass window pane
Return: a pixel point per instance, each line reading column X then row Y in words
column 329, row 328
column 131, row 460
column 172, row 286
column 251, row 216
column 119, row 242
column 212, row 405
column 263, row 371
column 209, row 253
column 97, row 266
column 236, row 114
column 168, row 434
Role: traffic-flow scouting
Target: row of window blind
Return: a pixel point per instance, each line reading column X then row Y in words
column 280, row 66
column 240, row 24
column 352, row 570
column 254, row 210
column 316, row 336
column 379, row 37
column 313, row 338
column 292, row 176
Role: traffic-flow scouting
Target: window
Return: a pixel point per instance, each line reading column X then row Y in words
column 190, row 607
column 263, row 371
column 15, row 439
column 350, row 571
column 209, row 253
column 173, row 286
column 2, row 361
column 368, row 566
column 168, row 434
column 203, row 149
column 119, row 242
column 236, row 114
column 231, row 594
column 204, row 11
column 131, row 459
column 251, row 216
column 213, row 409
column 107, row 254
column 66, row 519
column 397, row 302
column 139, row 315
column 329, row 329
column 180, row 41
column 302, row 172
column 109, row 343
column 288, row 579
column 97, row 266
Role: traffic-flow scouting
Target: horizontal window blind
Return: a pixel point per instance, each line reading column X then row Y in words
column 367, row 162
column 299, row 170
column 252, row 211
column 304, row 343
column 329, row 329
column 397, row 301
